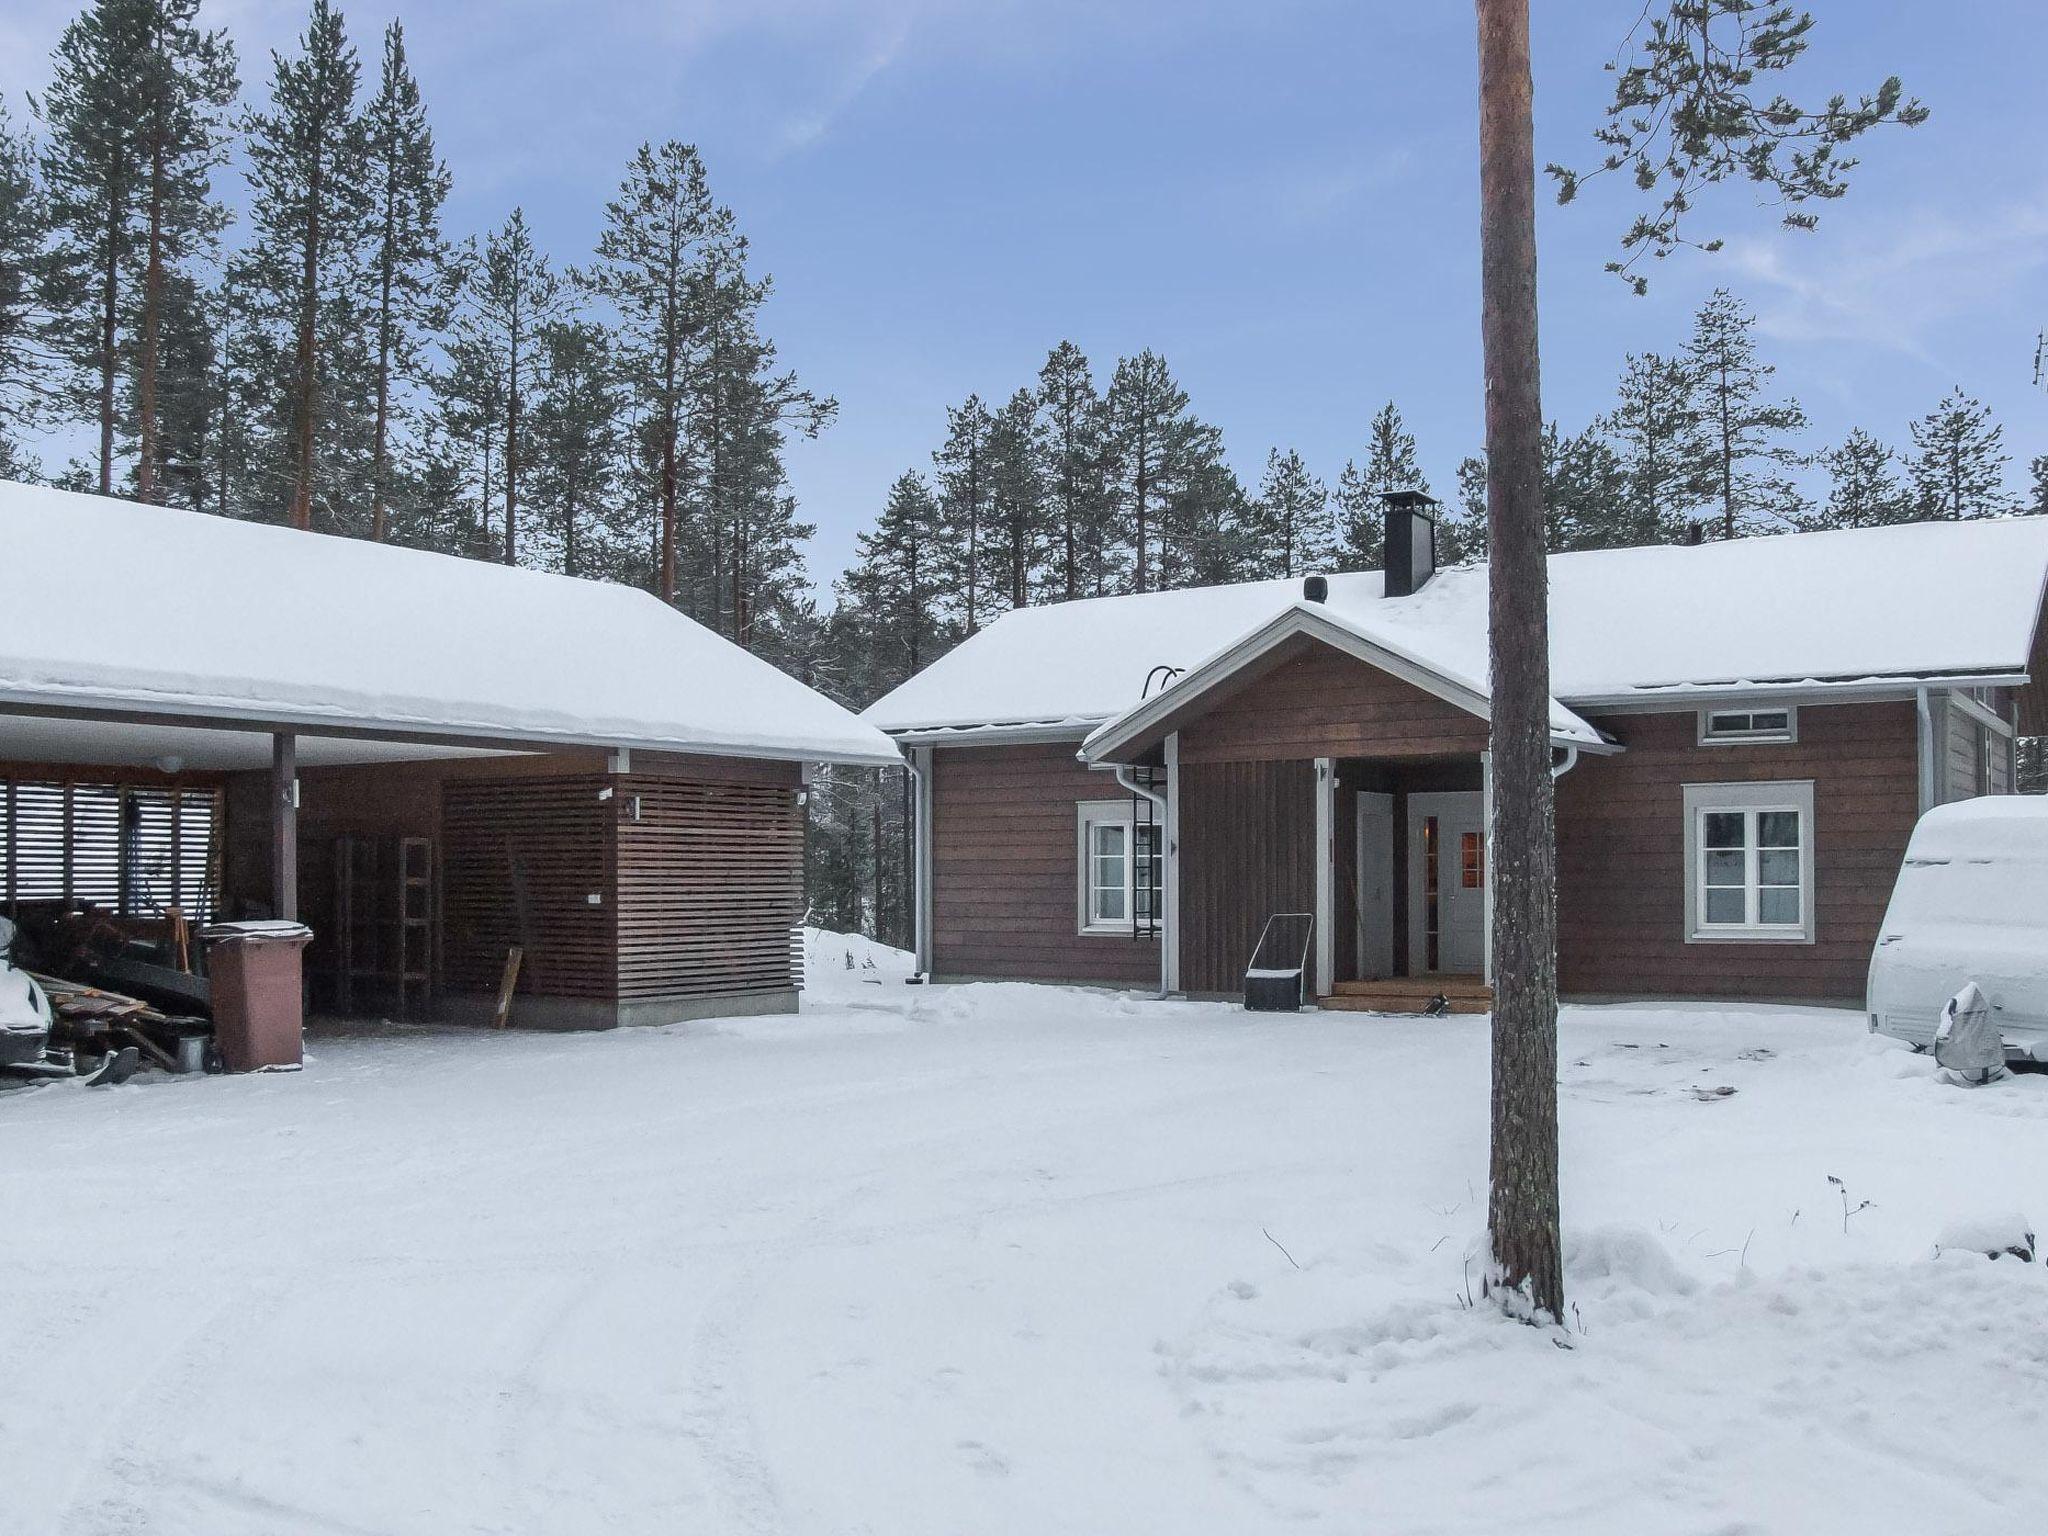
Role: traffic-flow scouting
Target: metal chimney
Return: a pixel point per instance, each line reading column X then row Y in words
column 1316, row 589
column 1411, row 541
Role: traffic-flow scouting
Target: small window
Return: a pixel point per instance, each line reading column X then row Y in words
column 1720, row 726
column 1471, row 862
column 1121, row 867
column 1749, row 861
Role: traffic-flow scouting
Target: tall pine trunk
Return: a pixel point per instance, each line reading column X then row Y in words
column 110, row 311
column 306, row 394
column 380, row 435
column 512, row 437
column 1522, row 1210
column 148, row 468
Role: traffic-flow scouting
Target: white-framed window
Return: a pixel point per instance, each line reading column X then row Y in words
column 1749, row 862
column 1728, row 727
column 1121, row 867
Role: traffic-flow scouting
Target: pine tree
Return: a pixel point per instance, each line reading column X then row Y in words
column 192, row 411
column 1656, row 429
column 2037, row 495
column 1071, row 429
column 25, row 394
column 647, row 265
column 1293, row 532
column 1744, row 451
column 1017, row 514
column 1863, row 486
column 962, row 467
column 408, row 260
column 512, row 297
column 893, row 581
column 1390, row 465
column 1586, row 499
column 1213, row 521
column 310, row 210
column 575, row 439
column 92, row 172
column 186, row 84
column 1959, row 459
column 741, row 411
column 1148, row 429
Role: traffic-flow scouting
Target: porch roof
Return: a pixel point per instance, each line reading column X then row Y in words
column 127, row 614
column 1441, row 674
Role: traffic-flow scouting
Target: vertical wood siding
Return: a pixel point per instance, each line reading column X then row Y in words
column 1621, row 854
column 1323, row 703
column 1006, row 869
column 1247, row 851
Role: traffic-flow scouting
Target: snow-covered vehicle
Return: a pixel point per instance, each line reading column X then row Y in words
column 1971, row 905
column 25, row 1018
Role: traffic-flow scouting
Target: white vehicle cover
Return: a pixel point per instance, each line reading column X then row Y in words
column 1966, row 1041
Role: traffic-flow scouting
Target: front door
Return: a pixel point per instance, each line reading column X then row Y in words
column 1446, row 883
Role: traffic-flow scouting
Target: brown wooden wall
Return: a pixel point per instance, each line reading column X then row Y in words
column 1621, row 854
column 1247, row 852
column 1318, row 702
column 520, row 861
column 710, row 883
column 1006, row 870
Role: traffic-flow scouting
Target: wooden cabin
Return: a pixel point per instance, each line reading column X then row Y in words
column 1127, row 791
column 432, row 762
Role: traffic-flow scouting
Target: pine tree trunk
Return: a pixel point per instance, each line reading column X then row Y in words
column 148, row 476
column 1727, row 465
column 512, row 440
column 379, row 514
column 110, row 307
column 308, row 377
column 1522, row 1211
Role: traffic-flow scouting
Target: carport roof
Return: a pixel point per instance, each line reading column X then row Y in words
column 115, row 611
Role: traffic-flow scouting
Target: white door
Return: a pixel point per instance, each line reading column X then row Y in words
column 1375, row 876
column 1446, row 883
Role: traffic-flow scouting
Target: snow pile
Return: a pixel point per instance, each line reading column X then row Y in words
column 304, row 629
column 1006, row 1259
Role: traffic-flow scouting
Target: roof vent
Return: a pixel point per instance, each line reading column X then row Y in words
column 1411, row 541
column 1316, row 588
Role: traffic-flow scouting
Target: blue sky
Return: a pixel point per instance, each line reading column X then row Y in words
column 1279, row 197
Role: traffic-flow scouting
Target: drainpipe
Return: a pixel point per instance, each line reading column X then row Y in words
column 1123, row 779
column 917, row 762
column 1926, row 753
column 1571, row 761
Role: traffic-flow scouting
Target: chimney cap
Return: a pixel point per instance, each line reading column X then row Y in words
column 1408, row 499
column 1316, row 589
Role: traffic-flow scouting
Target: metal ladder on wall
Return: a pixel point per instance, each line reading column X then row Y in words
column 1148, row 833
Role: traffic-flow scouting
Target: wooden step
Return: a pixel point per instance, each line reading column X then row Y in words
column 1412, row 994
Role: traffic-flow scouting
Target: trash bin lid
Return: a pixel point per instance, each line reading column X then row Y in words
column 257, row 928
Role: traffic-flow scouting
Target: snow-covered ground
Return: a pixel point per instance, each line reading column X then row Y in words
column 1010, row 1259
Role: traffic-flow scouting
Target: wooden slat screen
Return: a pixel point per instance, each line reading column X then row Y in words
column 710, row 887
column 135, row 849
column 557, row 833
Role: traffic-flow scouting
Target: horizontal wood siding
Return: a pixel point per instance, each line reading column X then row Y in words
column 1621, row 854
column 1322, row 703
column 1247, row 852
column 557, row 833
column 1006, row 870
column 710, row 883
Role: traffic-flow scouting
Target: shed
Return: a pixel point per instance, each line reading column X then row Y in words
column 428, row 759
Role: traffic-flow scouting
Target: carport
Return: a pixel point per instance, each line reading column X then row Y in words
column 432, row 761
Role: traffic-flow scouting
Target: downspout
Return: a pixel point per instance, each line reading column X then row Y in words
column 1571, row 761
column 917, row 763
column 1925, row 708
column 1123, row 779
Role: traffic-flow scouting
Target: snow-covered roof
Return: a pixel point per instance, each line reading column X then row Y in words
column 135, row 610
column 1794, row 612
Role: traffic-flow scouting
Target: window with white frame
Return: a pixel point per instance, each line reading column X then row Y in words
column 1121, row 865
column 1729, row 726
column 1749, row 862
